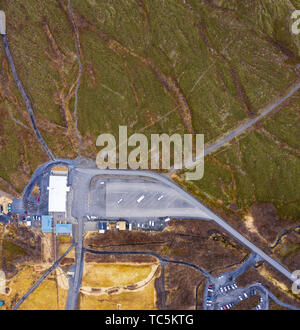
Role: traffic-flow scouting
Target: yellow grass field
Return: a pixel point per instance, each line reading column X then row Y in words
column 118, row 276
column 63, row 247
column 107, row 275
column 44, row 297
column 19, row 285
column 47, row 296
column 143, row 299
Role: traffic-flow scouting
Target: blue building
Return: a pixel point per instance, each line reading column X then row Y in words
column 46, row 224
column 102, row 226
column 63, row 228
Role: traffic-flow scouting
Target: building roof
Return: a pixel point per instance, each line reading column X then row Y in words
column 58, row 189
column 121, row 225
column 46, row 224
column 102, row 225
column 63, row 228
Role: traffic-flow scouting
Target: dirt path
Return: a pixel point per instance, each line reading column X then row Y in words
column 62, row 279
column 97, row 291
column 213, row 146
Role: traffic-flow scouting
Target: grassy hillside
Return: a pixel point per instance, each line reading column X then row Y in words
column 158, row 66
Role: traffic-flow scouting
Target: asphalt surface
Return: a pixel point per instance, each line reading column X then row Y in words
column 126, row 196
column 223, row 293
column 73, row 294
column 226, row 280
column 161, row 181
column 164, row 186
column 203, row 212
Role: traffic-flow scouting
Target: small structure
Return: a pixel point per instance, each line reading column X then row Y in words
column 46, row 224
column 70, row 273
column 63, row 228
column 28, row 223
column 121, row 225
column 102, row 227
column 2, row 22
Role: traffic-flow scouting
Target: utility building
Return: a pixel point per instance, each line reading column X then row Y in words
column 63, row 228
column 121, row 225
column 46, row 224
column 102, row 226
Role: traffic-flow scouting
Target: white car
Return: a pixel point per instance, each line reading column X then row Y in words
column 140, row 198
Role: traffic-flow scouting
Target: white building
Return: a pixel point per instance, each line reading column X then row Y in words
column 58, row 189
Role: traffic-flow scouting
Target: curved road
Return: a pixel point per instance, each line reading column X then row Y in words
column 271, row 295
column 210, row 215
column 74, row 289
column 162, row 259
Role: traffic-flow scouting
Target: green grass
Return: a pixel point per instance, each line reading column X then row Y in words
column 212, row 53
column 258, row 168
column 12, row 251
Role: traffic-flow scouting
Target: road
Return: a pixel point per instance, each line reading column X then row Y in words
column 42, row 278
column 74, row 289
column 156, row 255
column 162, row 180
column 204, row 212
column 25, row 97
column 163, row 262
column 224, row 292
column 276, row 300
column 226, row 279
column 210, row 148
